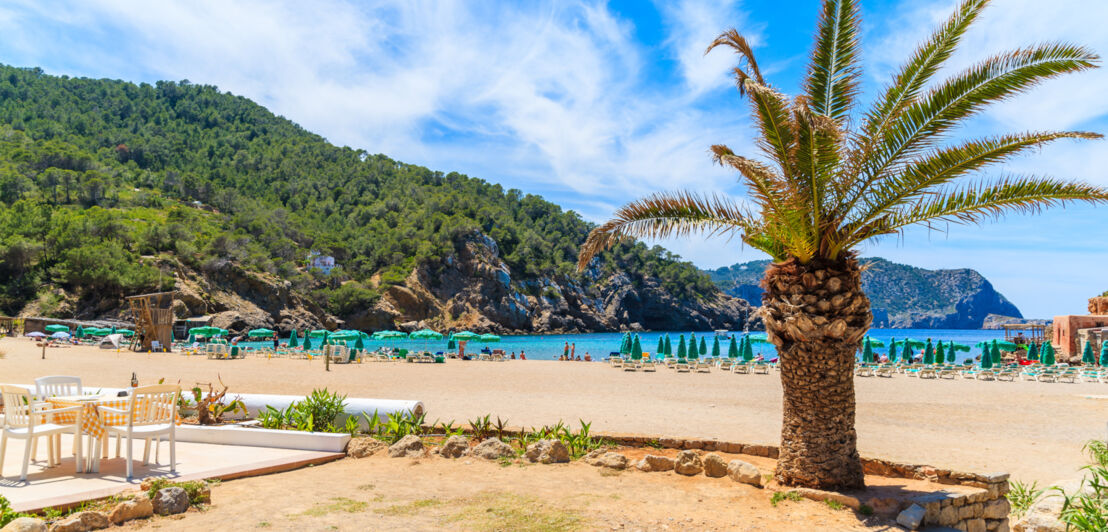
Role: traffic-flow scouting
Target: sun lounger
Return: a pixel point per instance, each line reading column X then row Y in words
column 1069, row 376
column 725, row 364
column 740, row 367
column 761, row 368
column 1007, row 375
column 670, row 362
column 884, row 371
column 630, row 365
column 986, row 375
column 703, row 367
column 948, row 373
column 615, row 362
column 928, row 373
column 863, row 371
column 1046, row 376
column 648, row 365
column 682, row 366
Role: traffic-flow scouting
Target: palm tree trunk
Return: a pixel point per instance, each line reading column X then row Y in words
column 816, row 314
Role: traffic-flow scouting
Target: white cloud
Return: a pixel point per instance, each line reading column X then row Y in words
column 692, row 25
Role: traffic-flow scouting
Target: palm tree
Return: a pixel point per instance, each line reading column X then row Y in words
column 831, row 180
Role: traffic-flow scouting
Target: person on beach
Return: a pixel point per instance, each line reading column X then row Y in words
column 513, row 355
column 521, row 355
column 588, row 358
column 276, row 342
column 573, row 350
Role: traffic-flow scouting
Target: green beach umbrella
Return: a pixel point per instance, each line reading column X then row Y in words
column 451, row 343
column 940, row 353
column 669, row 347
column 692, row 345
column 307, row 342
column 359, row 343
column 426, row 334
column 113, row 330
column 126, row 332
column 951, row 355
column 703, row 346
column 1104, row 353
column 80, row 332
column 466, row 335
column 748, row 351
column 929, row 353
column 1087, row 357
column 318, row 333
column 682, row 351
column 733, row 349
column 996, row 352
column 56, row 328
column 661, row 346
column 1033, row 351
column 867, row 353
column 986, row 359
column 636, row 349
column 892, row 350
column 293, row 340
column 758, row 338
column 1048, row 354
column 260, row 333
column 192, row 339
column 716, row 352
column 490, row 338
column 874, row 342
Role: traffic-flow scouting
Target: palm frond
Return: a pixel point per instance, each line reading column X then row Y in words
column 832, row 81
column 771, row 109
column 815, row 158
column 765, row 186
column 924, row 122
column 943, row 166
column 734, row 40
column 667, row 215
column 977, row 203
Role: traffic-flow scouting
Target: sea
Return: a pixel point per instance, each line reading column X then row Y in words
column 599, row 345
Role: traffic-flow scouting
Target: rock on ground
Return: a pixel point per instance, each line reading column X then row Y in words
column 714, row 466
column 83, row 522
column 409, row 445
column 547, row 452
column 169, row 501
column 651, row 463
column 363, row 447
column 138, row 508
column 493, row 449
column 612, row 461
column 455, row 446
column 593, row 456
column 744, row 472
column 688, row 463
column 911, row 518
column 25, row 524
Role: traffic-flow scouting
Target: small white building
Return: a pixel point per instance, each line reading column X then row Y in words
column 323, row 263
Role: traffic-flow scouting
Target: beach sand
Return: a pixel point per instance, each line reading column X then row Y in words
column 1032, row 430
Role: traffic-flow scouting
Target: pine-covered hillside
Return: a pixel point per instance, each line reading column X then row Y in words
column 110, row 188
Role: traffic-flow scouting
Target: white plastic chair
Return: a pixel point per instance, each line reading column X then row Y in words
column 151, row 413
column 25, row 420
column 56, row 385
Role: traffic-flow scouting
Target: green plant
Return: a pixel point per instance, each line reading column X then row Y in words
column 318, row 412
column 8, row 515
column 834, row 505
column 865, row 509
column 779, row 496
column 211, row 408
column 500, row 427
column 481, row 427
column 1087, row 509
column 194, row 488
column 833, row 177
column 1023, row 496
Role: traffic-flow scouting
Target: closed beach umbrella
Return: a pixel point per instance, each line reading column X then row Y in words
column 1104, row 353
column 867, row 353
column 192, row 339
column 733, row 349
column 692, row 345
column 748, row 351
column 451, row 344
column 986, row 359
column 359, row 343
column 951, row 356
column 293, row 340
column 1087, row 357
column 1048, row 354
column 892, row 350
column 1033, row 351
column 636, row 349
column 996, row 352
column 624, row 345
column 80, row 332
column 940, row 353
column 682, row 351
column 307, row 342
column 669, row 346
column 661, row 346
column 716, row 352
column 703, row 346
column 929, row 353
column 57, row 328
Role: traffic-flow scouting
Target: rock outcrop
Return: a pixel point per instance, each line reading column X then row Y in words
column 901, row 296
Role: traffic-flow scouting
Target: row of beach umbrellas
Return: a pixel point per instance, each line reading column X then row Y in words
column 631, row 346
column 62, row 332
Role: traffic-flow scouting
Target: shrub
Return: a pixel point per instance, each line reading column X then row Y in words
column 8, row 515
column 1087, row 510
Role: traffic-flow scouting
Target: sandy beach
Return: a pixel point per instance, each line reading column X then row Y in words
column 1032, row 430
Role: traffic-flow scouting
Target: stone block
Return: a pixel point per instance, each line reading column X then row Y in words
column 744, row 472
column 688, row 463
column 651, row 463
column 997, row 509
column 911, row 518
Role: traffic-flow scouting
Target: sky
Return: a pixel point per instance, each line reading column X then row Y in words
column 592, row 103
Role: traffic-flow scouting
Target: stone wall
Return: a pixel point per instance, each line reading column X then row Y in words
column 977, row 505
column 1098, row 305
column 1065, row 332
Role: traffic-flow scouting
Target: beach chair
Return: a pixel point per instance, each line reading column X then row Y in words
column 884, row 371
column 151, row 413
column 670, row 362
column 703, row 366
column 948, row 373
column 1047, row 375
column 1070, row 376
column 725, row 364
column 21, row 424
column 927, row 373
column 615, row 362
column 741, row 368
column 648, row 365
column 631, row 365
column 986, row 375
column 863, row 371
column 682, row 366
column 1007, row 375
column 760, row 368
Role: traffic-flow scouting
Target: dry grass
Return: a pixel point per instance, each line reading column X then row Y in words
column 336, row 505
column 519, row 513
column 410, row 508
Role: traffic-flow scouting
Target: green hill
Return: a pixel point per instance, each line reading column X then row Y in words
column 901, row 296
column 110, row 188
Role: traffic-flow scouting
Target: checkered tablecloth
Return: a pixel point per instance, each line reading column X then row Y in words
column 93, row 420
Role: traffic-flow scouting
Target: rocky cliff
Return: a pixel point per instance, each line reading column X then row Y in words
column 471, row 289
column 902, row 296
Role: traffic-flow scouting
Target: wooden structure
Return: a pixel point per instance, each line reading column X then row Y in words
column 1025, row 332
column 8, row 326
column 153, row 315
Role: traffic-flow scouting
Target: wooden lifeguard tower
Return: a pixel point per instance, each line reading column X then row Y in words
column 153, row 315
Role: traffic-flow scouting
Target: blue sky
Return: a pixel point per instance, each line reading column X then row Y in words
column 593, row 103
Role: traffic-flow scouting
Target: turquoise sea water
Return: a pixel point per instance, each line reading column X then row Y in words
column 550, row 346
